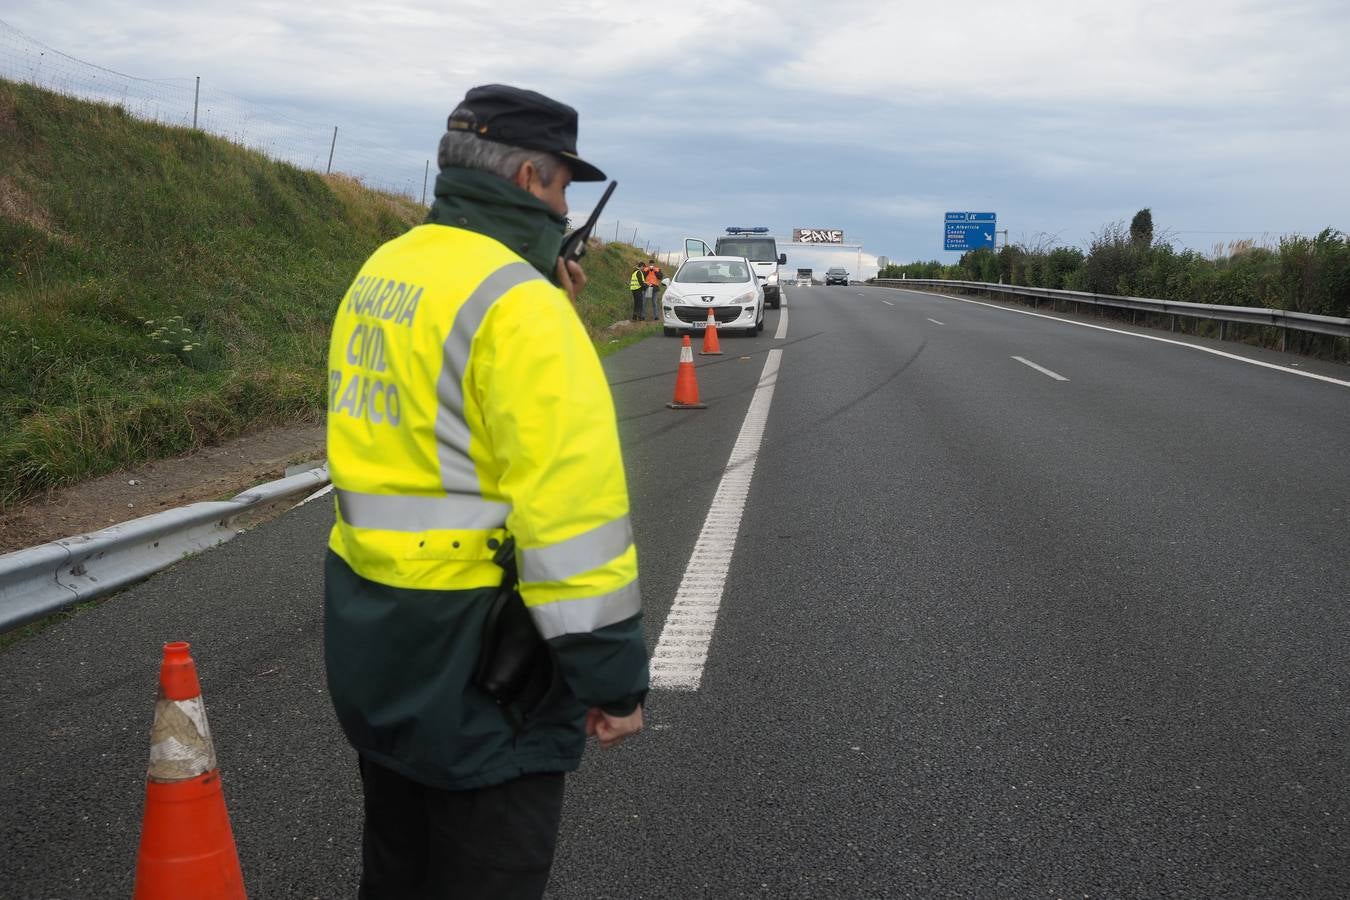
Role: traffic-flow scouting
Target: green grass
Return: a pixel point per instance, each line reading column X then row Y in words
column 163, row 290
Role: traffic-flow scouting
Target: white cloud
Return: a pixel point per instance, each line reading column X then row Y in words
column 870, row 117
column 1092, row 51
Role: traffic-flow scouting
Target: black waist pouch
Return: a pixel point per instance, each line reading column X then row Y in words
column 514, row 667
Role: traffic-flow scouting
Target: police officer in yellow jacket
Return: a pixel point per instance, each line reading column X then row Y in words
column 467, row 408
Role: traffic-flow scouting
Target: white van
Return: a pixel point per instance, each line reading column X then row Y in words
column 756, row 245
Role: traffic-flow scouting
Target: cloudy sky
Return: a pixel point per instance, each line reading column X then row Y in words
column 1230, row 119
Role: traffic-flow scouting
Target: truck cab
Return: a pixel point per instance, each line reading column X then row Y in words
column 804, row 277
column 756, row 245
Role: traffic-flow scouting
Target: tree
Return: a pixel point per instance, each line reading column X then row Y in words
column 1141, row 229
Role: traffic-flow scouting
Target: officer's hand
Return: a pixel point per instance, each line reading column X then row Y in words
column 570, row 277
column 612, row 729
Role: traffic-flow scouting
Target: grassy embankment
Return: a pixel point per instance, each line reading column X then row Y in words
column 162, row 290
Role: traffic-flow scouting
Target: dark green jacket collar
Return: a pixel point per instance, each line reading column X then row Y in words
column 484, row 203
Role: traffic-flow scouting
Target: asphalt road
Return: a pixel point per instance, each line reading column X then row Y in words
column 985, row 632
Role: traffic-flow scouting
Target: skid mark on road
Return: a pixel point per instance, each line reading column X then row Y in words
column 682, row 650
column 1147, row 337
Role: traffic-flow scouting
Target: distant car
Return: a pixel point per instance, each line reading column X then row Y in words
column 836, row 275
column 724, row 284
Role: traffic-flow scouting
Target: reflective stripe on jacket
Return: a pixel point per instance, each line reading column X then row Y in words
column 635, row 282
column 465, row 402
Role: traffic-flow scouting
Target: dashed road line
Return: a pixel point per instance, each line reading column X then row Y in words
column 1042, row 369
column 682, row 650
column 936, row 322
column 888, row 303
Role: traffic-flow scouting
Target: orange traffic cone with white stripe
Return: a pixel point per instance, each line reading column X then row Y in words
column 187, row 848
column 711, row 346
column 686, row 383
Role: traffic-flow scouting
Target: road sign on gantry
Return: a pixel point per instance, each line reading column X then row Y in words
column 969, row 230
column 817, row 236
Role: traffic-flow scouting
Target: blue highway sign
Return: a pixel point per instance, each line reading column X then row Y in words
column 969, row 230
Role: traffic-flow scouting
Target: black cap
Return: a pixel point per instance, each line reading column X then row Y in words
column 521, row 118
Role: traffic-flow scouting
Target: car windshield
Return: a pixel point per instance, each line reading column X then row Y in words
column 699, row 271
column 753, row 250
column 838, row 271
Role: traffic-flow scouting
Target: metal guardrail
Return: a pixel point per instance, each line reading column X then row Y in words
column 45, row 579
column 1254, row 315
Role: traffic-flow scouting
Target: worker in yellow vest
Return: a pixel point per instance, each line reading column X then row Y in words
column 473, row 447
column 637, row 283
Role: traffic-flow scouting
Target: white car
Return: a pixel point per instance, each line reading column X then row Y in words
column 724, row 284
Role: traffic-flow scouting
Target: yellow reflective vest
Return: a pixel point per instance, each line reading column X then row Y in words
column 466, row 402
column 635, row 283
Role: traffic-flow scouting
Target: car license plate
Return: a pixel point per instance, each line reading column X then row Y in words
column 701, row 323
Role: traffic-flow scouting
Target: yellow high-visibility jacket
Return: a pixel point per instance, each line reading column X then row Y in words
column 466, row 403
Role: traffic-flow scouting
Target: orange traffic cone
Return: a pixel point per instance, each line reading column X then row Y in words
column 686, row 384
column 187, row 848
column 711, row 346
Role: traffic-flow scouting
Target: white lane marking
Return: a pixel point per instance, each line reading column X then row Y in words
column 314, row 496
column 1042, row 369
column 888, row 303
column 1147, row 337
column 681, row 651
column 782, row 323
column 935, row 321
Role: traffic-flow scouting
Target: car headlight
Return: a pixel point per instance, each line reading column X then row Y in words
column 773, row 278
column 747, row 297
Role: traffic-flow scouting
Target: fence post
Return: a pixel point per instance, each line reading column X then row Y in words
column 331, row 148
column 425, row 173
column 196, row 94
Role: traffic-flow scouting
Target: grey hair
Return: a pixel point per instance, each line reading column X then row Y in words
column 467, row 151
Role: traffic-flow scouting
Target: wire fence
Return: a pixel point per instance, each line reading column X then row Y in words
column 615, row 231
column 187, row 103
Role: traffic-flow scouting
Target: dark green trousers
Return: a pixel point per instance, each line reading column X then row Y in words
column 423, row 842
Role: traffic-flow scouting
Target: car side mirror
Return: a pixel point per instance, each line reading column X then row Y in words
column 665, row 281
column 782, row 259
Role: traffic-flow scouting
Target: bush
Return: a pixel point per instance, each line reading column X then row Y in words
column 1300, row 274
